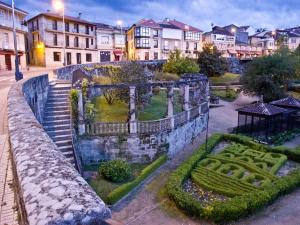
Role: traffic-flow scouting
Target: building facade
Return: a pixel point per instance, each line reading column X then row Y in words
column 7, row 52
column 46, row 40
column 150, row 40
column 111, row 42
column 264, row 39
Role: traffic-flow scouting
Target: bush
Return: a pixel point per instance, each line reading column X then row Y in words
column 124, row 189
column 73, row 97
column 115, row 170
column 238, row 206
column 161, row 76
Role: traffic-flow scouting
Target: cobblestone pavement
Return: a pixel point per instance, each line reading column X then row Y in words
column 8, row 207
column 148, row 206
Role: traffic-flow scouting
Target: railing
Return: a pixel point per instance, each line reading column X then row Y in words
column 204, row 107
column 194, row 113
column 180, row 118
column 154, row 126
column 107, row 128
column 9, row 23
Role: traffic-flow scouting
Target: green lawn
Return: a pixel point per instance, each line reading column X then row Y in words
column 227, row 95
column 226, row 78
column 103, row 187
column 118, row 112
column 295, row 94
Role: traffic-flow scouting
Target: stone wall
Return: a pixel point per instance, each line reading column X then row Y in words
column 235, row 65
column 140, row 148
column 50, row 190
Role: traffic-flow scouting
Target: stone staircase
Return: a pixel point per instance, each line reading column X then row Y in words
column 57, row 119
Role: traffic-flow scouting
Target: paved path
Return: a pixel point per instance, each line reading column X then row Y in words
column 8, row 207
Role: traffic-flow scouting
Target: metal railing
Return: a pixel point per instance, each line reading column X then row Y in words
column 154, row 126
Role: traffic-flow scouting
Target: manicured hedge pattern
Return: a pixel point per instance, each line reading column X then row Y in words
column 238, row 206
column 124, row 189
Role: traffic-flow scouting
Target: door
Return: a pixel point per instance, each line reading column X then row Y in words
column 69, row 58
column 104, row 56
column 8, row 62
column 146, row 55
column 78, row 57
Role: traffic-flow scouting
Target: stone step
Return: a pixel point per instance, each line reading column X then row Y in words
column 60, row 88
column 54, row 112
column 58, row 96
column 69, row 154
column 58, row 92
column 50, row 109
column 54, row 132
column 57, row 122
column 56, row 104
column 57, row 117
column 63, row 143
column 62, row 138
column 66, row 148
column 60, row 127
column 50, row 100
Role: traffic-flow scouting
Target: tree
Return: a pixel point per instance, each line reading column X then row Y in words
column 108, row 93
column 270, row 75
column 211, row 61
column 180, row 65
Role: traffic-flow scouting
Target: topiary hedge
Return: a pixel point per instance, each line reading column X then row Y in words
column 238, row 206
column 115, row 170
column 124, row 189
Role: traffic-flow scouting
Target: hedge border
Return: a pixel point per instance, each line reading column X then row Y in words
column 124, row 189
column 238, row 206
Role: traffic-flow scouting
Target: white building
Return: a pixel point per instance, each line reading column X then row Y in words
column 7, row 52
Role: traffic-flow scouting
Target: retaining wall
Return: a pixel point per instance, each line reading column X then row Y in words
column 50, row 190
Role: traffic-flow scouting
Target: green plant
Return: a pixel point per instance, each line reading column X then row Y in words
column 90, row 112
column 108, row 93
column 115, row 170
column 84, row 87
column 73, row 96
column 161, row 76
column 285, row 136
column 124, row 189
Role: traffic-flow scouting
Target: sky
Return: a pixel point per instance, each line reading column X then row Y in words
column 269, row 14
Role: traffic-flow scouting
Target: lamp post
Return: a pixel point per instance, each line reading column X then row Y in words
column 59, row 6
column 18, row 74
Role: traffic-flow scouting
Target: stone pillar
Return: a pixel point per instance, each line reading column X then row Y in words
column 186, row 100
column 81, row 124
column 170, row 103
column 132, row 110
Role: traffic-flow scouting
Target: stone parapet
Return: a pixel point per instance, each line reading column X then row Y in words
column 50, row 190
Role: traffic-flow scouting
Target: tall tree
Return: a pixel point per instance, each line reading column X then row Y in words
column 211, row 61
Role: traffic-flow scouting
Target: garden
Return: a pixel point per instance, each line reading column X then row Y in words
column 233, row 177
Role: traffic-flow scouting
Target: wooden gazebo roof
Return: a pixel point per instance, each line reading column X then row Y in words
column 290, row 102
column 262, row 109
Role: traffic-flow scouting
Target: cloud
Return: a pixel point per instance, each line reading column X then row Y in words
column 199, row 13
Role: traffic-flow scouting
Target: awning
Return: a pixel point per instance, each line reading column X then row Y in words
column 10, row 52
column 118, row 52
column 243, row 52
column 231, row 51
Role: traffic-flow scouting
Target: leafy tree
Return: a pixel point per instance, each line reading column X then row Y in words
column 180, row 65
column 268, row 75
column 108, row 93
column 211, row 61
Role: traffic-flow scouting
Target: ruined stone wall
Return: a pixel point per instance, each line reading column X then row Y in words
column 140, row 148
column 50, row 190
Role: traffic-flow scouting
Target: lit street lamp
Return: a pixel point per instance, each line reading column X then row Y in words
column 18, row 74
column 59, row 6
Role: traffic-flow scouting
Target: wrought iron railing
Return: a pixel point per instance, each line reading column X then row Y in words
column 107, row 128
column 154, row 126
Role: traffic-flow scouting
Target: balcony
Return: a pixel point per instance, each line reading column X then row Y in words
column 9, row 24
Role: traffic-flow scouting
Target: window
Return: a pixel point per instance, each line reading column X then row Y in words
column 142, row 43
column 76, row 28
column 54, row 25
column 176, row 44
column 195, row 46
column 155, row 44
column 76, row 42
column 87, row 31
column 155, row 55
column 146, row 55
column 104, row 40
column 189, row 35
column 56, row 56
column 2, row 15
column 87, row 42
column 92, row 28
column 187, row 46
column 155, row 33
column 67, row 27
column 67, row 40
column 142, row 31
column 293, row 41
column 6, row 40
column 55, row 39
column 92, row 41
column 89, row 57
column 166, row 45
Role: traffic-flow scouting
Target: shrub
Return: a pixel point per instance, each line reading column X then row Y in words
column 73, row 96
column 161, row 76
column 124, row 189
column 115, row 170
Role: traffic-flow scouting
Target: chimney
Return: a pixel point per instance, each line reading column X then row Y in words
column 79, row 15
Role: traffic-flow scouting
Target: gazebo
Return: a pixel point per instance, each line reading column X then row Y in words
column 292, row 105
column 260, row 120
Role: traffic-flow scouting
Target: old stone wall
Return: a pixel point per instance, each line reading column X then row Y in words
column 51, row 191
column 140, row 148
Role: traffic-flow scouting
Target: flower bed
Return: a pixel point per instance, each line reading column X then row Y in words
column 244, row 172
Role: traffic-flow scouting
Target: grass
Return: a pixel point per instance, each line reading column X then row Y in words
column 103, row 187
column 118, row 112
column 227, row 95
column 295, row 94
column 227, row 78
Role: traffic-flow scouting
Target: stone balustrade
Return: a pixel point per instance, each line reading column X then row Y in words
column 49, row 189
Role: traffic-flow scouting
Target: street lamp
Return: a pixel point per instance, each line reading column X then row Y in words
column 18, row 74
column 59, row 6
